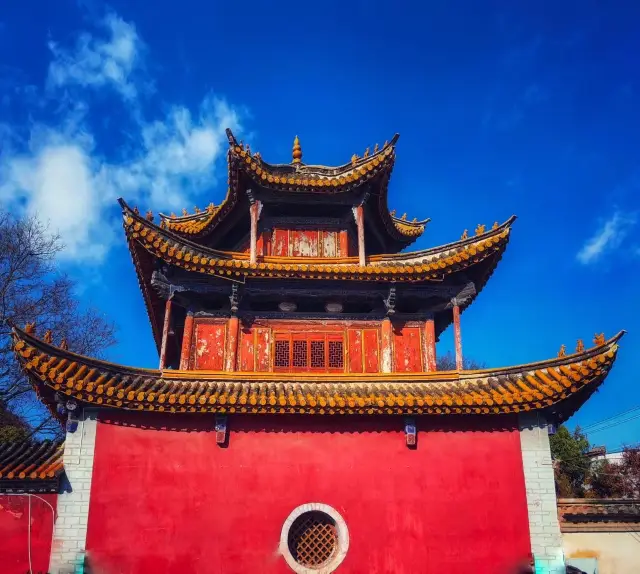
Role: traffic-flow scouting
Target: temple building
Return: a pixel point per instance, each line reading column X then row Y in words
column 297, row 421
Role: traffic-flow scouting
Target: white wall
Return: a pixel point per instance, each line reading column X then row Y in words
column 616, row 552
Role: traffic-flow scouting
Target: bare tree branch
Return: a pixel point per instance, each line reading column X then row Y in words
column 32, row 289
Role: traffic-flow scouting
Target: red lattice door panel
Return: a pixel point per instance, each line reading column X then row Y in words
column 308, row 352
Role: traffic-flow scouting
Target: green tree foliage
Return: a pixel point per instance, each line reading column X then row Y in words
column 571, row 465
column 12, row 427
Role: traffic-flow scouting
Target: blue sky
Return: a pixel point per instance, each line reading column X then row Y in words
column 504, row 108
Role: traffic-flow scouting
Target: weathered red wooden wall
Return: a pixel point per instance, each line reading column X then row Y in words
column 407, row 346
column 173, row 502
column 209, row 345
column 14, row 532
column 361, row 343
column 301, row 243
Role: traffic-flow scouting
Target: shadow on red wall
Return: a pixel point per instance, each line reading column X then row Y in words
column 26, row 527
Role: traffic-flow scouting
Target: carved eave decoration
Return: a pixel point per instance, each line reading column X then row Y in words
column 557, row 386
column 296, row 178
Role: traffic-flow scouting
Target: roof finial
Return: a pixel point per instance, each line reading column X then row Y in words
column 580, row 346
column 297, row 151
column 599, row 339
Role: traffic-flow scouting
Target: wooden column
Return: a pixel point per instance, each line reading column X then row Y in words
column 165, row 334
column 344, row 243
column 254, row 212
column 187, row 337
column 457, row 335
column 232, row 344
column 358, row 213
column 386, row 337
column 430, row 363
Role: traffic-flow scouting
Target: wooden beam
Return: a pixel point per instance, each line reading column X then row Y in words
column 187, row 337
column 457, row 335
column 386, row 336
column 254, row 212
column 165, row 334
column 232, row 344
column 430, row 345
column 358, row 213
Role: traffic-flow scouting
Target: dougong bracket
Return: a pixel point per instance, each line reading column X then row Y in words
column 234, row 298
column 390, row 301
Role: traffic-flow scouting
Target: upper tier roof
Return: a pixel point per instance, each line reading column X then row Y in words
column 558, row 386
column 30, row 466
column 476, row 257
column 295, row 181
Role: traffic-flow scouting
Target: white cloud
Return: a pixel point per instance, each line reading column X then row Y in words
column 57, row 173
column 608, row 237
column 99, row 62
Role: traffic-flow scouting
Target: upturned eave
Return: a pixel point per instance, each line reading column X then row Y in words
column 557, row 386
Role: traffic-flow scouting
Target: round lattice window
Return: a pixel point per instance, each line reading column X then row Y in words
column 314, row 539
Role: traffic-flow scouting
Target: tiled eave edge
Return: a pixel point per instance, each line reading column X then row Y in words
column 599, row 515
column 428, row 265
column 487, row 392
column 30, row 467
column 301, row 180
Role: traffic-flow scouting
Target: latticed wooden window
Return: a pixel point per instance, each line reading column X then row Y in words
column 281, row 358
column 313, row 539
column 317, row 354
column 336, row 355
column 320, row 352
column 300, row 353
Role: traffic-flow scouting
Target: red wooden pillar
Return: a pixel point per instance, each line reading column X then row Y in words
column 457, row 336
column 165, row 334
column 187, row 337
column 254, row 212
column 430, row 345
column 232, row 344
column 359, row 216
column 344, row 243
column 386, row 337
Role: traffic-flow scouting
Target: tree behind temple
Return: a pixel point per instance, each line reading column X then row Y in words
column 33, row 290
column 571, row 465
column 447, row 362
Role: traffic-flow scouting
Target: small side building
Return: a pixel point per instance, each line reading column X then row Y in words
column 601, row 536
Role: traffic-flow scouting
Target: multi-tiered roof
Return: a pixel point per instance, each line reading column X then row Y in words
column 198, row 261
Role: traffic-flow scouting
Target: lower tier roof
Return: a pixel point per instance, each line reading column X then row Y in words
column 558, row 386
column 30, row 466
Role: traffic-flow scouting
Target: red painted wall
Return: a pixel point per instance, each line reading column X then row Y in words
column 14, row 532
column 173, row 501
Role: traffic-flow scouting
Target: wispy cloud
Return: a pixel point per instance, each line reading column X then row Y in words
column 98, row 62
column 608, row 238
column 55, row 170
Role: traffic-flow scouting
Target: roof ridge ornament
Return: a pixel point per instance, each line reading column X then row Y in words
column 297, row 151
